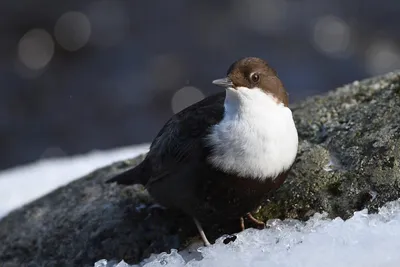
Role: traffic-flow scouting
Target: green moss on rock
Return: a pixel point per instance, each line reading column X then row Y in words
column 348, row 160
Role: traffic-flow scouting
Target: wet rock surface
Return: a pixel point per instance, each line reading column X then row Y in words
column 348, row 160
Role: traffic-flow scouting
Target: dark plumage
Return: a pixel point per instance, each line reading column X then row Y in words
column 177, row 172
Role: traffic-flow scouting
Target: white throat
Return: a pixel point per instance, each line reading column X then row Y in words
column 257, row 137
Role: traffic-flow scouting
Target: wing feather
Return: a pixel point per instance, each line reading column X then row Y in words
column 182, row 138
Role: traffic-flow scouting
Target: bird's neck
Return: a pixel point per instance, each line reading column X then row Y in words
column 243, row 100
column 256, row 138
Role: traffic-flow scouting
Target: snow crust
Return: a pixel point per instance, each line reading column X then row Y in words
column 364, row 240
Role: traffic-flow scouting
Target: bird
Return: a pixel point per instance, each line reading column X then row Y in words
column 219, row 158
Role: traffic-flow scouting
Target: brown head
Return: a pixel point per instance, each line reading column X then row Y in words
column 252, row 72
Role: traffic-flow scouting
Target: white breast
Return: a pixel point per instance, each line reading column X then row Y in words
column 257, row 137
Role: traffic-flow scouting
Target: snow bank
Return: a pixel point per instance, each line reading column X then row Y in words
column 22, row 184
column 361, row 241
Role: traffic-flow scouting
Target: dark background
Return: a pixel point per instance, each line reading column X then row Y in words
column 80, row 75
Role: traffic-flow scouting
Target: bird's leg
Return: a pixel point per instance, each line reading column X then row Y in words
column 201, row 231
column 241, row 224
column 258, row 223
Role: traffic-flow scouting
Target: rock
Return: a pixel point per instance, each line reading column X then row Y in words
column 349, row 154
column 85, row 220
column 348, row 160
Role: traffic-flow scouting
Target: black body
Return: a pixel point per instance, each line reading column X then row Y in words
column 177, row 174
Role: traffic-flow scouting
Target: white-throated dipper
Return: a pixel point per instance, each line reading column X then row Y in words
column 218, row 159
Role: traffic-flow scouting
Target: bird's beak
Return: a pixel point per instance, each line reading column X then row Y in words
column 224, row 82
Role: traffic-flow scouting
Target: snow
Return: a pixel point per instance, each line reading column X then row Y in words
column 23, row 184
column 364, row 240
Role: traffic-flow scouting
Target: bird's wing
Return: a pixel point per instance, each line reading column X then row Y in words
column 182, row 138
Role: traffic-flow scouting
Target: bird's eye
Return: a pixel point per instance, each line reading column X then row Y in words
column 255, row 77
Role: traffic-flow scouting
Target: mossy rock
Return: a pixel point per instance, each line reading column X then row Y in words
column 348, row 160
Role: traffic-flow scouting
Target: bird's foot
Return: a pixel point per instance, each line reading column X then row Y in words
column 242, row 227
column 257, row 223
column 201, row 232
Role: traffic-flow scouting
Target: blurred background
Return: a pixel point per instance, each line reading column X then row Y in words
column 80, row 75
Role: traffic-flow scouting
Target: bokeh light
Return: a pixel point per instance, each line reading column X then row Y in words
column 332, row 35
column 185, row 97
column 382, row 56
column 26, row 73
column 72, row 30
column 36, row 49
column 122, row 61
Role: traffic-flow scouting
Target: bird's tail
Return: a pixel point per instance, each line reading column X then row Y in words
column 136, row 175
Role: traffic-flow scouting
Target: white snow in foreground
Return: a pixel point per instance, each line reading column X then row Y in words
column 361, row 241
column 22, row 184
